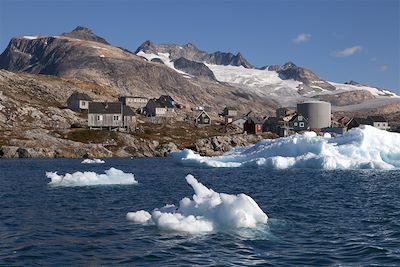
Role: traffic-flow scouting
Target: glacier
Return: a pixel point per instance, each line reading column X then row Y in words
column 365, row 147
column 208, row 211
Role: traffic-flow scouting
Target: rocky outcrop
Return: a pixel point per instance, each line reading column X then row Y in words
column 83, row 33
column 218, row 145
column 194, row 68
column 191, row 52
column 310, row 80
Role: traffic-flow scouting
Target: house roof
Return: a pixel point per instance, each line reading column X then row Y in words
column 271, row 120
column 377, row 119
column 81, row 96
column 359, row 121
column 256, row 120
column 127, row 111
column 295, row 117
column 166, row 101
column 105, row 107
column 202, row 112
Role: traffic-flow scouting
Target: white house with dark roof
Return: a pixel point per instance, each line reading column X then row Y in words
column 78, row 101
column 379, row 122
column 110, row 115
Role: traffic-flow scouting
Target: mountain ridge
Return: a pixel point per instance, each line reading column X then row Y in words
column 188, row 73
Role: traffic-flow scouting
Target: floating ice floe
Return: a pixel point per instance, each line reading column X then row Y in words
column 92, row 161
column 206, row 212
column 110, row 177
column 365, row 147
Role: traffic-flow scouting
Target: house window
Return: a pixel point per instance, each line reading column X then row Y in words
column 301, row 124
column 116, row 117
column 295, row 124
column 99, row 117
column 379, row 124
column 206, row 120
column 300, row 118
column 83, row 103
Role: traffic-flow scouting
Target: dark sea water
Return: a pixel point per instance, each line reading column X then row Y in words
column 316, row 218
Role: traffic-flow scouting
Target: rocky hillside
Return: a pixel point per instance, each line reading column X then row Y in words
column 84, row 56
column 191, row 76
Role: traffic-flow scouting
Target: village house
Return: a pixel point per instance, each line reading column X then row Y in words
column 230, row 112
column 167, row 101
column 271, row 125
column 110, row 115
column 298, row 123
column 134, row 102
column 253, row 125
column 164, row 106
column 378, row 122
column 155, row 109
column 239, row 123
column 356, row 122
column 202, row 119
column 78, row 101
column 129, row 118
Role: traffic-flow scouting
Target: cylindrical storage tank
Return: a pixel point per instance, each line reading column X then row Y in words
column 317, row 113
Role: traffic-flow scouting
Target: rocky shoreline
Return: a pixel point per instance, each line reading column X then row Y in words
column 132, row 147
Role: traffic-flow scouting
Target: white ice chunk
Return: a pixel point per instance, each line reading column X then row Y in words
column 93, row 161
column 206, row 212
column 111, row 177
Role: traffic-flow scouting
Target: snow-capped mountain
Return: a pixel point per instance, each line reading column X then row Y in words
column 286, row 84
column 191, row 76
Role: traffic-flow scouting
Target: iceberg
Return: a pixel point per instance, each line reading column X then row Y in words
column 110, row 177
column 93, row 161
column 365, row 147
column 207, row 211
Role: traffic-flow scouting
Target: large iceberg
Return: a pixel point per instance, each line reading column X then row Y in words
column 111, row 176
column 365, row 147
column 206, row 212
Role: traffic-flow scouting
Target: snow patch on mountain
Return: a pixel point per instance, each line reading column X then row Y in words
column 262, row 82
column 349, row 87
column 164, row 57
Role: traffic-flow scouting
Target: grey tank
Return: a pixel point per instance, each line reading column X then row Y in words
column 318, row 113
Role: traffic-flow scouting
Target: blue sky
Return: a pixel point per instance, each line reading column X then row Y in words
column 340, row 40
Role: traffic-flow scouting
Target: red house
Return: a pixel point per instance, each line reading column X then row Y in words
column 253, row 126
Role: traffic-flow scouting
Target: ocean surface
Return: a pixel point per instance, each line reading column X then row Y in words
column 316, row 217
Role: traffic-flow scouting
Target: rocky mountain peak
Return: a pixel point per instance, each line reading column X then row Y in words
column 145, row 46
column 192, row 53
column 352, row 83
column 84, row 33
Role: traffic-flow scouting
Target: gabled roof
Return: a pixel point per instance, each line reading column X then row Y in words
column 166, row 101
column 157, row 103
column 202, row 112
column 272, row 120
column 359, row 121
column 127, row 111
column 81, row 96
column 105, row 107
column 377, row 119
column 295, row 117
